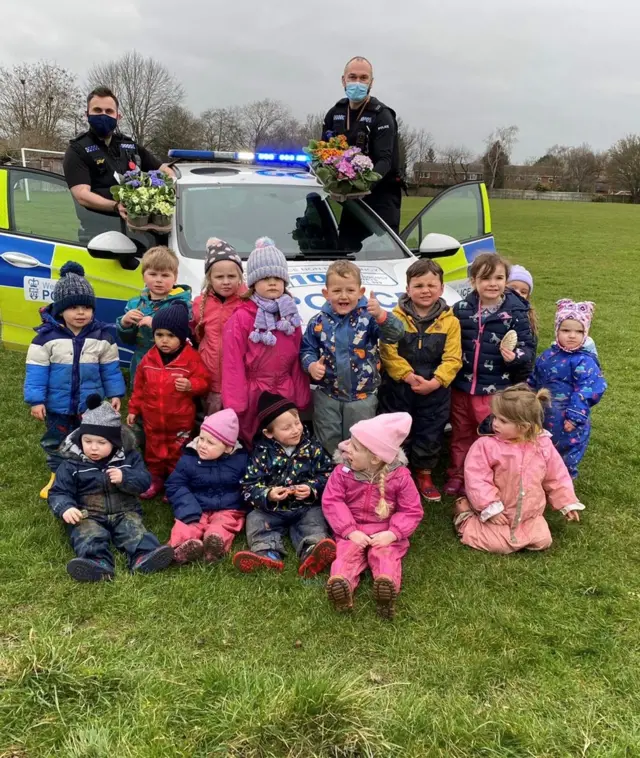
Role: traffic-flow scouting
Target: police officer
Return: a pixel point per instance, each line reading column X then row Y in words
column 94, row 160
column 371, row 126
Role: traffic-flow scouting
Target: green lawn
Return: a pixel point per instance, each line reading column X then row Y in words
column 530, row 655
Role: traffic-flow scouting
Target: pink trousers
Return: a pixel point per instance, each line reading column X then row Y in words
column 467, row 412
column 226, row 524
column 352, row 560
column 532, row 534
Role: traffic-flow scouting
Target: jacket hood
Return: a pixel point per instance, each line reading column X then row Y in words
column 179, row 292
column 406, row 305
column 72, row 446
column 52, row 324
column 400, row 460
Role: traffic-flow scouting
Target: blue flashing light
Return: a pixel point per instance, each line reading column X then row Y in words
column 282, row 158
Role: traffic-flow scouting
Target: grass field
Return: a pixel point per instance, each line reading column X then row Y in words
column 530, row 655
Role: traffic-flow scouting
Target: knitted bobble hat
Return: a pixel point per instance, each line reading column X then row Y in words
column 219, row 250
column 174, row 318
column 72, row 289
column 265, row 261
column 101, row 420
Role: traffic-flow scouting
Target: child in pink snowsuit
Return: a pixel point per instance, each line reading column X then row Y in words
column 510, row 477
column 261, row 342
column 373, row 507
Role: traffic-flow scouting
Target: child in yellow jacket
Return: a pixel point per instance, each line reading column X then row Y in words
column 420, row 368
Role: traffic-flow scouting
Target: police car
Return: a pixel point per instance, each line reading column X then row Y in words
column 237, row 197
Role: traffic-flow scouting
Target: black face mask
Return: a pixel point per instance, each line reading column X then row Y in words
column 102, row 124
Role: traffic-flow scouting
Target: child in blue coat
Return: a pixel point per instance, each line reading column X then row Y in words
column 71, row 357
column 573, row 375
column 205, row 491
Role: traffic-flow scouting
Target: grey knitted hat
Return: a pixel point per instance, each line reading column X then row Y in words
column 266, row 260
column 72, row 289
column 101, row 420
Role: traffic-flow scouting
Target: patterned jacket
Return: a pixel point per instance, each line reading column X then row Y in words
column 484, row 371
column 270, row 466
column 142, row 337
column 82, row 483
column 63, row 368
column 350, row 346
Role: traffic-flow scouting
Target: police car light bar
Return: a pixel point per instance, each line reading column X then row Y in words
column 239, row 157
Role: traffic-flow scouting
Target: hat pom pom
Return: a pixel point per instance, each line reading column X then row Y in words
column 264, row 242
column 71, row 267
column 94, row 401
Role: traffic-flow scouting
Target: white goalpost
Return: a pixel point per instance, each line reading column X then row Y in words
column 23, row 155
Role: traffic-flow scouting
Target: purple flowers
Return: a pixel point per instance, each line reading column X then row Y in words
column 345, row 170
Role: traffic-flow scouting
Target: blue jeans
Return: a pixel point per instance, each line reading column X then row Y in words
column 91, row 537
column 266, row 530
column 59, row 426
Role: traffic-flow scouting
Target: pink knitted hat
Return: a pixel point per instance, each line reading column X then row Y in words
column 222, row 425
column 383, row 435
column 581, row 312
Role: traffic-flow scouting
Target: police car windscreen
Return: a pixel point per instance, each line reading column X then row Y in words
column 303, row 223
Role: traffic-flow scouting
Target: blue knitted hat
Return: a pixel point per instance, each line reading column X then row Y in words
column 266, row 260
column 174, row 318
column 72, row 289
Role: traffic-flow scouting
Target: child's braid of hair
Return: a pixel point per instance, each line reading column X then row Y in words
column 383, row 508
column 206, row 291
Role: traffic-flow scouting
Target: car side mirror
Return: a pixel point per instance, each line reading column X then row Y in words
column 436, row 245
column 115, row 245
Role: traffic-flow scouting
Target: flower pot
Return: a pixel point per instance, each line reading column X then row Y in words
column 158, row 219
column 342, row 198
column 137, row 222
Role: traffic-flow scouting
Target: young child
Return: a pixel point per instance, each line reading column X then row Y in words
column 160, row 274
column 213, row 308
column 285, row 479
column 340, row 353
column 373, row 507
column 485, row 315
column 72, row 356
column 521, row 282
column 420, row 367
column 96, row 495
column 205, row 493
column 261, row 342
column 573, row 375
column 510, row 476
column 168, row 379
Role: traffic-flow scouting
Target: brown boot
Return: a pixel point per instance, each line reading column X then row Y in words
column 384, row 593
column 339, row 592
column 426, row 487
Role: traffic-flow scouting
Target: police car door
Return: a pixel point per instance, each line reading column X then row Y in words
column 461, row 211
column 39, row 232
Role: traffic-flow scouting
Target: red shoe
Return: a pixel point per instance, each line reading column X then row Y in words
column 248, row 562
column 426, row 487
column 213, row 548
column 454, row 487
column 321, row 557
column 339, row 593
column 385, row 593
column 189, row 551
column 157, row 485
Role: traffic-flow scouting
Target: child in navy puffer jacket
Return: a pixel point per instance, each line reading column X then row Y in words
column 205, row 492
column 486, row 315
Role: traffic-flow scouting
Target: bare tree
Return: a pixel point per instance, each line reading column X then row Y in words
column 144, row 87
column 261, row 119
column 37, row 102
column 582, row 168
column 457, row 159
column 414, row 146
column 177, row 127
column 311, row 127
column 555, row 161
column 499, row 146
column 222, row 129
column 624, row 165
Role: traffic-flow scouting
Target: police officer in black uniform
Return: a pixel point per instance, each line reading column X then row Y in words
column 95, row 159
column 371, row 126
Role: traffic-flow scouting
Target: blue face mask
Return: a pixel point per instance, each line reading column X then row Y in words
column 102, row 124
column 356, row 91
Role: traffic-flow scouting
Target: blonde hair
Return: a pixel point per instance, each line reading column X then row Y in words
column 160, row 258
column 533, row 321
column 344, row 269
column 383, row 508
column 522, row 406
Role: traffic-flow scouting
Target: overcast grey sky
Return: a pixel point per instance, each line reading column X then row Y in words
column 564, row 71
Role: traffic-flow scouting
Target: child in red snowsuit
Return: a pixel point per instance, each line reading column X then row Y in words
column 167, row 379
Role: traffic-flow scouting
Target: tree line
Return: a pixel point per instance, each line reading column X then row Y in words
column 42, row 105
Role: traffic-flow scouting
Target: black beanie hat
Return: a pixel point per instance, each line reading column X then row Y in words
column 270, row 406
column 102, row 420
column 174, row 318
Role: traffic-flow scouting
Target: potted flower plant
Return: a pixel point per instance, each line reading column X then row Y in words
column 345, row 172
column 148, row 198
